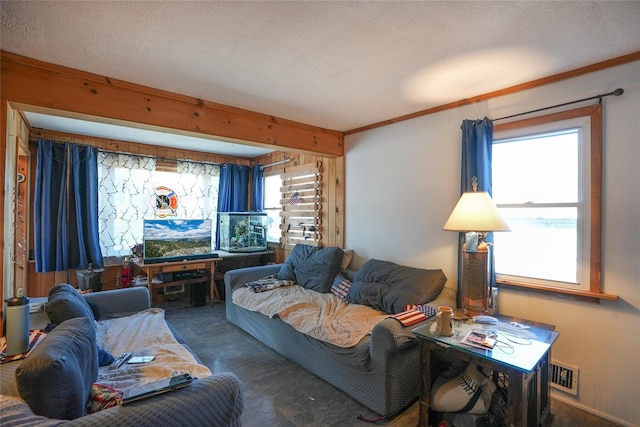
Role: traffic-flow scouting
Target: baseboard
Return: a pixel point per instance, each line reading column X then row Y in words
column 608, row 417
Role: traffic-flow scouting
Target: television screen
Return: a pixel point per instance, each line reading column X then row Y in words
column 176, row 240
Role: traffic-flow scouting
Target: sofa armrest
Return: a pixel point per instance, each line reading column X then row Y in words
column 390, row 336
column 216, row 400
column 120, row 301
column 233, row 279
column 447, row 297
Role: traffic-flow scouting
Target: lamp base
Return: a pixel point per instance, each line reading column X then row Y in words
column 472, row 307
column 474, row 285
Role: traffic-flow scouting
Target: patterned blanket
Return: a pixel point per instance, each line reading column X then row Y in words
column 144, row 333
column 268, row 283
column 325, row 317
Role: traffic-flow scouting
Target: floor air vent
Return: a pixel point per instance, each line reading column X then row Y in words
column 564, row 377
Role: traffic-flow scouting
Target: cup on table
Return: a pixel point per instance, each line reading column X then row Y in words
column 444, row 321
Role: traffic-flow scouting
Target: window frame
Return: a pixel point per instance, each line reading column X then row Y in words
column 523, row 198
column 594, row 113
column 265, row 208
column 159, row 172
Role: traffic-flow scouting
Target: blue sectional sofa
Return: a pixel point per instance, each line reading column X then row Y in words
column 69, row 351
column 382, row 371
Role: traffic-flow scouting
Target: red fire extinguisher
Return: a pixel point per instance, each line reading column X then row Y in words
column 126, row 273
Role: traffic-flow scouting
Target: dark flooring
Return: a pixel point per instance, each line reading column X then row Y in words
column 280, row 393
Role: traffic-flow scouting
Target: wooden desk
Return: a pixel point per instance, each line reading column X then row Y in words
column 522, row 376
column 208, row 264
column 236, row 260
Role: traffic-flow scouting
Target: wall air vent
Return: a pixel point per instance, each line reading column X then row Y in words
column 564, row 377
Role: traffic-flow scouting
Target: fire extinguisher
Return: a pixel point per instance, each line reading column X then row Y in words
column 125, row 274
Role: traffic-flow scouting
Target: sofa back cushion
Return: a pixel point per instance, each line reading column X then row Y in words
column 55, row 380
column 312, row 267
column 66, row 303
column 389, row 287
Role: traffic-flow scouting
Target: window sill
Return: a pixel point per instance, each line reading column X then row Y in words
column 548, row 289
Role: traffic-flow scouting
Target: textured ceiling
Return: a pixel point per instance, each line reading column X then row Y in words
column 334, row 64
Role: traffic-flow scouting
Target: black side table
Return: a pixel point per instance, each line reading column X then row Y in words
column 520, row 367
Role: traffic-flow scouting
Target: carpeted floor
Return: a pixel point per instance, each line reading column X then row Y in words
column 278, row 393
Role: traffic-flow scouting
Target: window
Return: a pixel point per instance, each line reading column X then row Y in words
column 547, row 185
column 127, row 195
column 272, row 207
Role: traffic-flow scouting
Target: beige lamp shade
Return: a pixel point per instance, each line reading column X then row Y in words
column 476, row 211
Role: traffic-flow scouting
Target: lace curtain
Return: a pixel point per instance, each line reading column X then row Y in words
column 197, row 189
column 128, row 185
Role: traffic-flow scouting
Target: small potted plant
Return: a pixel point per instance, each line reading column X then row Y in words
column 136, row 250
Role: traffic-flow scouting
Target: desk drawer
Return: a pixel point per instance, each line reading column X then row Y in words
column 184, row 267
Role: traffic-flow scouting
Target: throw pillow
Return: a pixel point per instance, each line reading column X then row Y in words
column 340, row 286
column 389, row 287
column 55, row 380
column 346, row 259
column 66, row 303
column 103, row 397
column 469, row 391
column 312, row 267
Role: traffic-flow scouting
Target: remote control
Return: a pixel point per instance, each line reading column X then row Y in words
column 488, row 320
column 120, row 360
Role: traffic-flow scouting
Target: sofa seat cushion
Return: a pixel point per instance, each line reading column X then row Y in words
column 55, row 380
column 146, row 333
column 15, row 411
column 312, row 267
column 322, row 316
column 390, row 287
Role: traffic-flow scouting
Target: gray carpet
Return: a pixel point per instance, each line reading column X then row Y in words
column 279, row 392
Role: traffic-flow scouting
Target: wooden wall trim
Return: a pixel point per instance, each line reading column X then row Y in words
column 4, row 123
column 120, row 146
column 30, row 82
column 507, row 91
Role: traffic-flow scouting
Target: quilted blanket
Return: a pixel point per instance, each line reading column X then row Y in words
column 144, row 333
column 322, row 316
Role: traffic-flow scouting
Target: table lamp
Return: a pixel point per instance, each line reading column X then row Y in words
column 475, row 215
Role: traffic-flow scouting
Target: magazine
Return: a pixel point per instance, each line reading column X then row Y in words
column 154, row 388
column 480, row 339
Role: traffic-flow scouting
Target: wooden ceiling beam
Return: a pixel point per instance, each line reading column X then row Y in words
column 30, row 82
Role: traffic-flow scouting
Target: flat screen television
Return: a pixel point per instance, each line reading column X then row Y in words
column 167, row 240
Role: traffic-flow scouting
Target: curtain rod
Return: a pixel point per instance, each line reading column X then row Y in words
column 33, row 141
column 274, row 164
column 616, row 92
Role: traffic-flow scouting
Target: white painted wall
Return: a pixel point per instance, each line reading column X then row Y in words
column 402, row 181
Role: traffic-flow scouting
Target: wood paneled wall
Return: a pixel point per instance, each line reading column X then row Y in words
column 33, row 85
column 41, row 86
column 332, row 192
column 19, row 191
column 136, row 148
column 40, row 283
column 14, row 149
column 332, row 195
